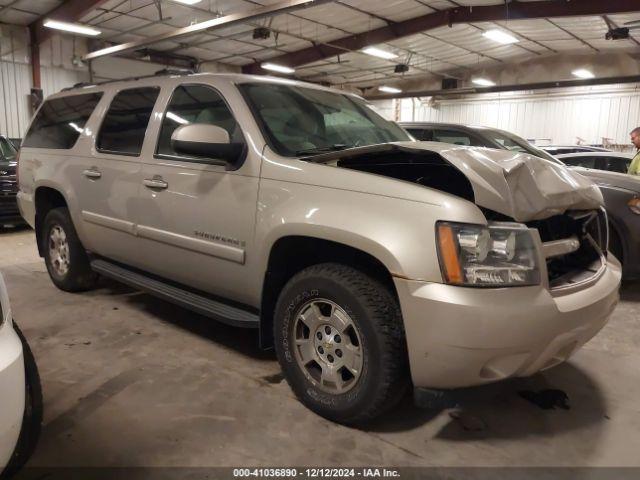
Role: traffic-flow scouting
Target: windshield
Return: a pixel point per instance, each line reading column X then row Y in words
column 7, row 151
column 298, row 120
column 511, row 142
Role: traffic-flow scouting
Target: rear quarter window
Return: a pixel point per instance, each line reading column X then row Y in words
column 60, row 121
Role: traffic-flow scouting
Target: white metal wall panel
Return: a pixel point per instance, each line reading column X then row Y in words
column 557, row 116
column 15, row 82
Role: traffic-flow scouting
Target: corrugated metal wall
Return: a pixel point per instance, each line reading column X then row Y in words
column 15, row 76
column 561, row 116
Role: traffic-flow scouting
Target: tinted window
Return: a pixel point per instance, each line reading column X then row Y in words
column 514, row 143
column 456, row 137
column 299, row 120
column 7, row 152
column 585, row 162
column 196, row 104
column 423, row 134
column 125, row 124
column 59, row 122
column 617, row 164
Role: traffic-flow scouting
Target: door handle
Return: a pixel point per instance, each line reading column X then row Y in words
column 93, row 172
column 155, row 183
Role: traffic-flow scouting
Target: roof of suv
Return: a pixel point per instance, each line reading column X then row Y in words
column 171, row 76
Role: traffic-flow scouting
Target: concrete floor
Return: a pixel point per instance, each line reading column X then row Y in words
column 133, row 381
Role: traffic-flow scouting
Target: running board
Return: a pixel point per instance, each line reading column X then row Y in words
column 193, row 301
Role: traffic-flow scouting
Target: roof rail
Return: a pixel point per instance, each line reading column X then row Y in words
column 164, row 71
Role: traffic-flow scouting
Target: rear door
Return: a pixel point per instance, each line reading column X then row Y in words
column 197, row 217
column 109, row 183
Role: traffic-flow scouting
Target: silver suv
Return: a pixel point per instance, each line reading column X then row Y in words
column 367, row 260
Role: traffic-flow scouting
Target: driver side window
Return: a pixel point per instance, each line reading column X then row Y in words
column 195, row 104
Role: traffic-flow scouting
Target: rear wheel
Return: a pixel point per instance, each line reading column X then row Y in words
column 66, row 259
column 340, row 342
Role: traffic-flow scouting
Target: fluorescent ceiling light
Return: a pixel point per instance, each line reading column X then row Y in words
column 386, row 89
column 583, row 73
column 378, row 52
column 71, row 27
column 500, row 37
column 483, row 82
column 277, row 68
column 188, row 2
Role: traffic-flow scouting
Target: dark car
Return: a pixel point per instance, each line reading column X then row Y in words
column 9, row 213
column 473, row 136
column 606, row 169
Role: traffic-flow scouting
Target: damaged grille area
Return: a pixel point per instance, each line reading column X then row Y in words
column 575, row 245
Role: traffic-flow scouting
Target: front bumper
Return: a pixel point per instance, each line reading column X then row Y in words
column 459, row 337
column 12, row 391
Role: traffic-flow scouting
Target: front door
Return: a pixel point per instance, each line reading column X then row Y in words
column 197, row 218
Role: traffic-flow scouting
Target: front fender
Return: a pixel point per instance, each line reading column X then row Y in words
column 399, row 233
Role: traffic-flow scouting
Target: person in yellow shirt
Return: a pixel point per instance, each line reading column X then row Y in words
column 634, row 168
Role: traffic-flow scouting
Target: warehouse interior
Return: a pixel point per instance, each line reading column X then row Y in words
column 132, row 381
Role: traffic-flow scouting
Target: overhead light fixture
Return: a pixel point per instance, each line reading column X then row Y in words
column 188, row 2
column 583, row 73
column 500, row 37
column 274, row 67
column 483, row 82
column 71, row 27
column 378, row 52
column 387, row 89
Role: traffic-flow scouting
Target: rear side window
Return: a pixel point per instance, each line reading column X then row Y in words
column 424, row 134
column 125, row 124
column 585, row 162
column 60, row 121
column 455, row 137
column 617, row 164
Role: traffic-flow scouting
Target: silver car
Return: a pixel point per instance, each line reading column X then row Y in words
column 369, row 261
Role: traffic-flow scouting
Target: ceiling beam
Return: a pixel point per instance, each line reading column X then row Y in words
column 507, row 88
column 513, row 10
column 281, row 7
column 70, row 11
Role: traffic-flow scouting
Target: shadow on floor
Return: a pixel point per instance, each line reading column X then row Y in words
column 630, row 291
column 245, row 341
column 498, row 411
column 497, row 408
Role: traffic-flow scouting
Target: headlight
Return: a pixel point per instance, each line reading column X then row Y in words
column 500, row 255
column 634, row 205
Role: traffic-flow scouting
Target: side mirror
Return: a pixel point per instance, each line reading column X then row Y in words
column 207, row 141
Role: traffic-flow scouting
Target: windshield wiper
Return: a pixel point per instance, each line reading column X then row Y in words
column 327, row 148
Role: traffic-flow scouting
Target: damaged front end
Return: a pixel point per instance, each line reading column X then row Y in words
column 515, row 191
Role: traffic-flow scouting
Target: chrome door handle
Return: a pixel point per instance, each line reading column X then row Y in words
column 155, row 183
column 92, row 173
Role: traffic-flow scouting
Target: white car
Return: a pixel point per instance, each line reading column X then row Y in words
column 20, row 393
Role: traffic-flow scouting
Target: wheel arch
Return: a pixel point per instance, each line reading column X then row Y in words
column 292, row 253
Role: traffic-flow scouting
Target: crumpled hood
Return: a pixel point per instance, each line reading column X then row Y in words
column 518, row 185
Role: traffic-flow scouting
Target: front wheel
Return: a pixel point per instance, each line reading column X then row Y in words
column 340, row 341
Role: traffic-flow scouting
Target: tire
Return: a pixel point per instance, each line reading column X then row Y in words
column 68, row 267
column 32, row 419
column 333, row 295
